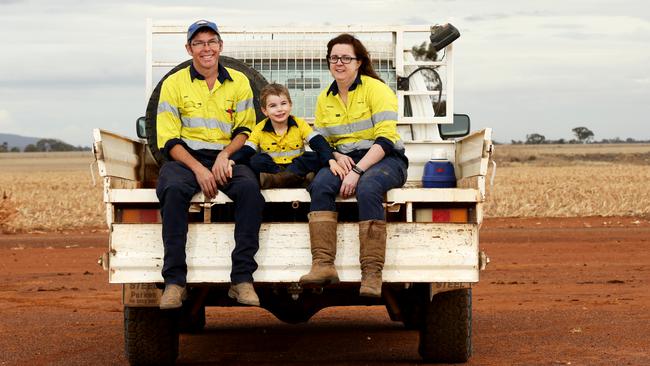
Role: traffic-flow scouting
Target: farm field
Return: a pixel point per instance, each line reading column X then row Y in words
column 42, row 192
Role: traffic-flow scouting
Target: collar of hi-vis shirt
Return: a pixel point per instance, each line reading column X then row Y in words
column 334, row 88
column 222, row 76
column 268, row 126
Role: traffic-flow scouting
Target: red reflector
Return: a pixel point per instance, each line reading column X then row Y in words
column 440, row 215
column 440, row 170
column 457, row 215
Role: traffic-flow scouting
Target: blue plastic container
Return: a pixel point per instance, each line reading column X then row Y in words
column 438, row 174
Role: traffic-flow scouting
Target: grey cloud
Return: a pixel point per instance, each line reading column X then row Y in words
column 415, row 20
column 486, row 17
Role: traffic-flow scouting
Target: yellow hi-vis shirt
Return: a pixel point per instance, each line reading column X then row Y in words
column 369, row 117
column 282, row 148
column 201, row 118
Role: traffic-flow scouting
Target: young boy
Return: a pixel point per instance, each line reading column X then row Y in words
column 276, row 145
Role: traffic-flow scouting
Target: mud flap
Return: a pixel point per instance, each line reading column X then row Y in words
column 141, row 295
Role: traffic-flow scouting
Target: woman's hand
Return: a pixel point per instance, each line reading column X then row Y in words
column 349, row 185
column 336, row 169
column 344, row 161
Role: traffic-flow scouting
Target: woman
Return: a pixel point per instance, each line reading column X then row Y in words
column 357, row 114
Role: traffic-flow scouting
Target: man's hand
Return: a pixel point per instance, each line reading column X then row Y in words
column 222, row 168
column 206, row 181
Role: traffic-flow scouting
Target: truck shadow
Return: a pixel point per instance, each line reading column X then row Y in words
column 335, row 336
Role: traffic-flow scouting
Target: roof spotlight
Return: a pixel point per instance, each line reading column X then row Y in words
column 443, row 35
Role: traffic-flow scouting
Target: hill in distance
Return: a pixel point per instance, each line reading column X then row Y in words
column 17, row 140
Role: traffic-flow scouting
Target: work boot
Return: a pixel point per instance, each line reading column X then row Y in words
column 283, row 179
column 173, row 296
column 308, row 179
column 372, row 239
column 322, row 236
column 244, row 293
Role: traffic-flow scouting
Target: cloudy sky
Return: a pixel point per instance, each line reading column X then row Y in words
column 522, row 67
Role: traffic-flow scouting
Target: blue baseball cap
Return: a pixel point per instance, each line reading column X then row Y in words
column 198, row 25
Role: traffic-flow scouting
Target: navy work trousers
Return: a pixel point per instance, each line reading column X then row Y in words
column 176, row 186
column 388, row 173
column 303, row 164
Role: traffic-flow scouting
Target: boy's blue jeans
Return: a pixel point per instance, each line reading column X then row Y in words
column 388, row 173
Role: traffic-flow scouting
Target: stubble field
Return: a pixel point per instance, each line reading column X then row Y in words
column 55, row 191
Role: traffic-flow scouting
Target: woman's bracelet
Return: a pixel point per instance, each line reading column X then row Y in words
column 358, row 170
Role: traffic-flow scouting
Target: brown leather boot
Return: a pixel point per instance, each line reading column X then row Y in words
column 322, row 235
column 372, row 238
column 173, row 296
column 283, row 179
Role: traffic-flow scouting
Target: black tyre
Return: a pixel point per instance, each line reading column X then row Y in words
column 446, row 335
column 257, row 82
column 150, row 336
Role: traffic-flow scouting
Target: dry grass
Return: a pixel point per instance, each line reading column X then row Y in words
column 7, row 211
column 50, row 193
column 567, row 191
column 570, row 180
column 564, row 155
column 54, row 192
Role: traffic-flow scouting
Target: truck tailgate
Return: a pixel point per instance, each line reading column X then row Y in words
column 415, row 252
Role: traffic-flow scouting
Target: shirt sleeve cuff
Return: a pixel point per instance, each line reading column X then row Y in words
column 322, row 148
column 238, row 130
column 170, row 144
column 386, row 144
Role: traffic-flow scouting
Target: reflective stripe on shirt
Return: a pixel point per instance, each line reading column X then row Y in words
column 210, row 123
column 198, row 145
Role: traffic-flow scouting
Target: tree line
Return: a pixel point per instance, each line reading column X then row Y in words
column 583, row 135
column 44, row 145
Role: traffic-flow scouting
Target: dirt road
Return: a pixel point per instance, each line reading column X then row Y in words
column 557, row 292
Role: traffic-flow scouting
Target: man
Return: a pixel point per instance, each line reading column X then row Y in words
column 205, row 114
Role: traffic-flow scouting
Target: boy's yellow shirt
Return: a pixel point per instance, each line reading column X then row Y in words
column 282, row 148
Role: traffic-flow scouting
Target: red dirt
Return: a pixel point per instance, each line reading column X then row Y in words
column 557, row 292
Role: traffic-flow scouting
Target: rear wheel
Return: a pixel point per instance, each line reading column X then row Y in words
column 446, row 335
column 150, row 336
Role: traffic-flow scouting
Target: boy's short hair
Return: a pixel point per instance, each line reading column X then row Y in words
column 273, row 89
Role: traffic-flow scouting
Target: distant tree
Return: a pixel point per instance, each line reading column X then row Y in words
column 4, row 147
column 53, row 145
column 583, row 134
column 630, row 140
column 30, row 148
column 516, row 142
column 560, row 141
column 535, row 138
column 15, row 149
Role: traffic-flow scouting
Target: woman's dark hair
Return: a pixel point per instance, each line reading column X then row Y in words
column 360, row 53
